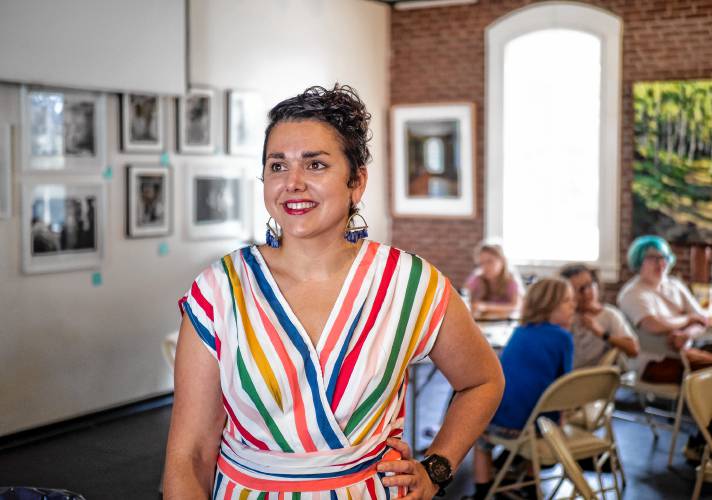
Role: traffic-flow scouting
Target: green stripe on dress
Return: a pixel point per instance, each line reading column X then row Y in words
column 365, row 407
column 246, row 380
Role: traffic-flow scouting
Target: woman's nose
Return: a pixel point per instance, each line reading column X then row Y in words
column 295, row 179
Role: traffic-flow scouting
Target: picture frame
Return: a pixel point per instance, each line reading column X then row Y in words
column 433, row 160
column 5, row 171
column 141, row 124
column 63, row 225
column 149, row 201
column 195, row 122
column 246, row 121
column 62, row 130
column 218, row 202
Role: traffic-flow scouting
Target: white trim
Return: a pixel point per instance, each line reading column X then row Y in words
column 5, row 171
column 608, row 28
column 427, row 4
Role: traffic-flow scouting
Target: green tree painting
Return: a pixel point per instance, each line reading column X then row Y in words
column 672, row 165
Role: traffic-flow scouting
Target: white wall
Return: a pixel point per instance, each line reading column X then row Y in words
column 67, row 347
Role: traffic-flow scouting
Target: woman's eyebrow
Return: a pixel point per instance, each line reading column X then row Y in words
column 279, row 156
column 313, row 154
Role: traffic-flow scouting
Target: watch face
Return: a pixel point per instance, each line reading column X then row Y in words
column 439, row 468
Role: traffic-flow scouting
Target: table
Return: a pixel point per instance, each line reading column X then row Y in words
column 497, row 333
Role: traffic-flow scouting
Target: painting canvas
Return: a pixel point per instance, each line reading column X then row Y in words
column 62, row 130
column 142, row 123
column 62, row 225
column 433, row 160
column 148, row 201
column 672, row 165
column 245, row 123
column 218, row 202
column 195, row 124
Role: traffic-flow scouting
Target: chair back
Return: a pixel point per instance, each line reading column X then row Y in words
column 170, row 342
column 610, row 358
column 579, row 387
column 557, row 442
column 698, row 393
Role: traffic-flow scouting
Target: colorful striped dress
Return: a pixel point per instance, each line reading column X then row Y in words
column 306, row 422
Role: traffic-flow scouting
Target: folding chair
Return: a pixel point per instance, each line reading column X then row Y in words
column 697, row 388
column 570, row 392
column 557, row 442
column 672, row 392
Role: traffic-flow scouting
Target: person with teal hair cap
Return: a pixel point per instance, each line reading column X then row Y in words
column 639, row 247
column 668, row 318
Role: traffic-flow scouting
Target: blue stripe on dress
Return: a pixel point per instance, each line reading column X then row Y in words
column 217, row 485
column 199, row 327
column 340, row 360
column 303, row 349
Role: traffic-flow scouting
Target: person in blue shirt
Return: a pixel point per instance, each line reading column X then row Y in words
column 540, row 350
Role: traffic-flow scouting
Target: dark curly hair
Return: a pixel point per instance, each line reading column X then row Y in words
column 341, row 108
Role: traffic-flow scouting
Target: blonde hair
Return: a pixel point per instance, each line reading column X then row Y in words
column 542, row 298
column 505, row 276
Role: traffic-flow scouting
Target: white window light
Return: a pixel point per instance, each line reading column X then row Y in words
column 553, row 101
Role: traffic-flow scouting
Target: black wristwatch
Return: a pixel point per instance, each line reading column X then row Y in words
column 439, row 470
column 606, row 336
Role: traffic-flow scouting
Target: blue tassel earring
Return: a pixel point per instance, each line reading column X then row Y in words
column 274, row 234
column 353, row 231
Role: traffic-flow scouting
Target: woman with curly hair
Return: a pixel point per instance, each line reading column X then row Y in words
column 292, row 356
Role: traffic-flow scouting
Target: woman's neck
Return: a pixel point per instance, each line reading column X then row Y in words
column 312, row 259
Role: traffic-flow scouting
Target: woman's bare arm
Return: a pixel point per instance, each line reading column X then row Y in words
column 197, row 421
column 468, row 362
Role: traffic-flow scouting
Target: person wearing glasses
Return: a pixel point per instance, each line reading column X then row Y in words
column 668, row 318
column 597, row 327
column 664, row 311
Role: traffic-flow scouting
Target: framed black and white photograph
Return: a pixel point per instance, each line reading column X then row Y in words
column 196, row 121
column 142, row 123
column 62, row 225
column 218, row 202
column 246, row 121
column 148, row 201
column 5, row 171
column 433, row 160
column 63, row 130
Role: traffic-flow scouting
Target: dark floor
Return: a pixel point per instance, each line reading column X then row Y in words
column 123, row 458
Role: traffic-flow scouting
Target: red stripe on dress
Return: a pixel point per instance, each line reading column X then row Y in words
column 289, row 369
column 337, row 328
column 244, row 432
column 352, row 357
column 228, row 491
column 277, row 485
column 371, row 487
column 182, row 301
column 202, row 302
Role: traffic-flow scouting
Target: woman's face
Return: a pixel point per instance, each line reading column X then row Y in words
column 654, row 266
column 563, row 314
column 490, row 264
column 585, row 289
column 306, row 179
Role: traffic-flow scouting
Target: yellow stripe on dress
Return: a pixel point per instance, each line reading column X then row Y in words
column 424, row 310
column 257, row 353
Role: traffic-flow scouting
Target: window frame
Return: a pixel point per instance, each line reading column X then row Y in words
column 607, row 28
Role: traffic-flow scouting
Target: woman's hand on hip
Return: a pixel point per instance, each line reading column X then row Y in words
column 407, row 473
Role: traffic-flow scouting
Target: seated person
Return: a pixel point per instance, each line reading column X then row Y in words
column 495, row 291
column 539, row 351
column 597, row 327
column 665, row 312
column 668, row 319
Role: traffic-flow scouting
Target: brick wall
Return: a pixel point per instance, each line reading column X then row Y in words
column 438, row 54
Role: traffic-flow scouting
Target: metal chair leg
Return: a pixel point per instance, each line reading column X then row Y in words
column 676, row 427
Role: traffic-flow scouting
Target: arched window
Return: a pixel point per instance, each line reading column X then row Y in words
column 553, row 106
